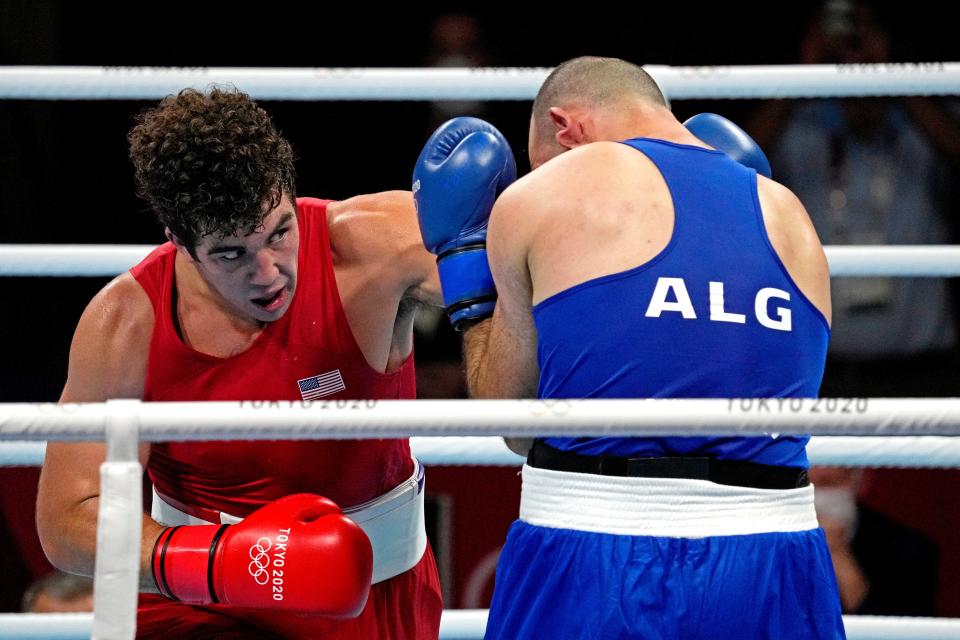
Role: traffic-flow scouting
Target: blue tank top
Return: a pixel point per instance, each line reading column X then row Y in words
column 714, row 315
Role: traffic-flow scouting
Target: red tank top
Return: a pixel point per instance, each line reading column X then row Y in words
column 312, row 339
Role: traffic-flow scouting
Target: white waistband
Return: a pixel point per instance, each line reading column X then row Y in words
column 394, row 522
column 665, row 507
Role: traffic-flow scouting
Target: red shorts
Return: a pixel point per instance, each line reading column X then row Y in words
column 403, row 608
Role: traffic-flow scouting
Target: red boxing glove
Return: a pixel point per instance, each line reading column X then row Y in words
column 299, row 553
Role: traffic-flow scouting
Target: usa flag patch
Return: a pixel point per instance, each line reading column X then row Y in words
column 320, row 386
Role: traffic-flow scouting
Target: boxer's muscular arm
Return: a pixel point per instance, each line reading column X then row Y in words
column 379, row 232
column 501, row 353
column 108, row 359
column 381, row 266
column 414, row 267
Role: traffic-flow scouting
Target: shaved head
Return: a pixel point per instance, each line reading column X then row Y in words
column 592, row 82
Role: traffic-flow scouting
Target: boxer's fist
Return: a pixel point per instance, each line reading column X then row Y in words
column 299, row 553
column 462, row 169
column 723, row 135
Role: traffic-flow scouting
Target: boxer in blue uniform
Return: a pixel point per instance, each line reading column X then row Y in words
column 639, row 259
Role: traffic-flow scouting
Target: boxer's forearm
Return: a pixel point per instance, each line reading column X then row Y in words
column 499, row 363
column 71, row 545
column 476, row 342
column 148, row 539
column 489, row 365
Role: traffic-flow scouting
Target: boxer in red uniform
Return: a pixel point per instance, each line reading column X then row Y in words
column 258, row 295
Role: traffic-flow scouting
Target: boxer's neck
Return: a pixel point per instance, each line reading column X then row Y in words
column 204, row 319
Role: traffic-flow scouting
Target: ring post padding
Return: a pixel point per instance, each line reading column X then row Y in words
column 119, row 526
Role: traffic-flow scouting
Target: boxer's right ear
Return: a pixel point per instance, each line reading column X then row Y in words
column 188, row 252
column 569, row 129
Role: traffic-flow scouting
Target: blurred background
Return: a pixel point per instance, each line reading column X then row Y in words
column 869, row 171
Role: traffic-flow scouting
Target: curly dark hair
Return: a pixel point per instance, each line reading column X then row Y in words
column 208, row 163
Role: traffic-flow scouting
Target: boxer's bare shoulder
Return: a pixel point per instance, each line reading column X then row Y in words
column 594, row 210
column 108, row 355
column 582, row 179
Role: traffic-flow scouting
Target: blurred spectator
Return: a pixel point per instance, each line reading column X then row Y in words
column 59, row 592
column 882, row 567
column 456, row 40
column 23, row 560
column 440, row 373
column 16, row 575
column 441, row 380
column 873, row 171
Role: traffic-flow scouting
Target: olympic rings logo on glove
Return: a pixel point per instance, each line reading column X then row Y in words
column 260, row 560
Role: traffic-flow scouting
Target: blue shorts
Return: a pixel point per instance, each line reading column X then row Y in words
column 555, row 583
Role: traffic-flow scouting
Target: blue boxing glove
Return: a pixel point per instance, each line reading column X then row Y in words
column 723, row 135
column 462, row 169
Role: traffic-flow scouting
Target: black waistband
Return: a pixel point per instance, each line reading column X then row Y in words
column 731, row 472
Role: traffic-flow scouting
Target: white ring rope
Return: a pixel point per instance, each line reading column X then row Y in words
column 483, row 83
column 469, row 624
column 929, row 452
column 110, row 260
column 294, row 420
column 70, row 259
column 887, row 261
column 45, row 626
